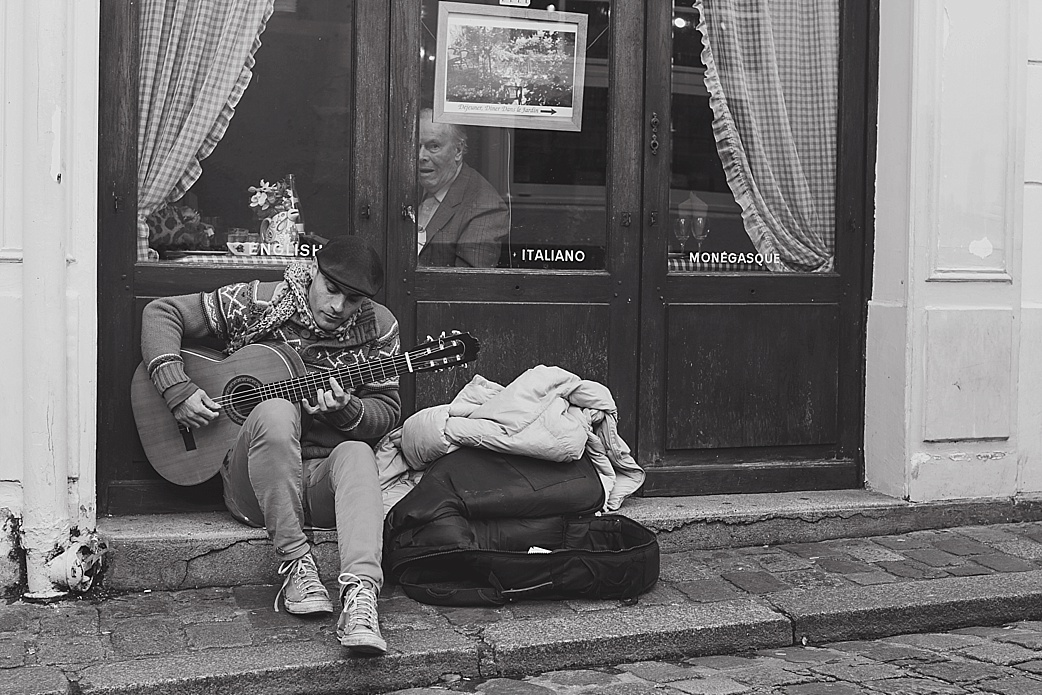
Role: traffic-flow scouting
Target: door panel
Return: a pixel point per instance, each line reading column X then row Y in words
column 518, row 334
column 748, row 375
column 755, row 472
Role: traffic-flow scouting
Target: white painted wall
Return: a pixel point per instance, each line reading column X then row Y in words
column 1030, row 376
column 82, row 66
column 950, row 411
column 48, row 257
column 888, row 360
column 11, row 131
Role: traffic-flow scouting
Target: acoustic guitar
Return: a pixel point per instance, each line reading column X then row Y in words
column 248, row 376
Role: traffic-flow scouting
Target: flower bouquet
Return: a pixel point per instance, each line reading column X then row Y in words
column 276, row 206
column 269, row 199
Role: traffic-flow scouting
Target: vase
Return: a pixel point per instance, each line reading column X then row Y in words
column 279, row 232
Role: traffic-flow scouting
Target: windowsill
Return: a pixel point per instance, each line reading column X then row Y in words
column 203, row 261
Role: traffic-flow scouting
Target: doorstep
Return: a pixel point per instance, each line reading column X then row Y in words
column 167, row 552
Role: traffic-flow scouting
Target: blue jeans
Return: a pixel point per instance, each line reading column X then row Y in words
column 267, row 484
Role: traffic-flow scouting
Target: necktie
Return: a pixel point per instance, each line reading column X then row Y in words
column 427, row 208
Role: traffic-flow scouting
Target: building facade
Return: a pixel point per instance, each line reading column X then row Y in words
column 903, row 365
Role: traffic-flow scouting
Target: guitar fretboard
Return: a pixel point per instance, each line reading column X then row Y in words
column 350, row 376
column 445, row 352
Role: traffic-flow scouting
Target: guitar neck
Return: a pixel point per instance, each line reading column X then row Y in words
column 441, row 353
column 350, row 376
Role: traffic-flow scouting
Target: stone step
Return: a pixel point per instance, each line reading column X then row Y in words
column 180, row 551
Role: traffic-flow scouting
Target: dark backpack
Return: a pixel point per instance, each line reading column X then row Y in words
column 482, row 528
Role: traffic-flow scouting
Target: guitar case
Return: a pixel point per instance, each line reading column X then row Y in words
column 482, row 528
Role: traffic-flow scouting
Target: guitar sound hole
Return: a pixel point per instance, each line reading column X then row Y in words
column 241, row 396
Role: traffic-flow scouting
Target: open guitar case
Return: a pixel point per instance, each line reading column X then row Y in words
column 483, row 528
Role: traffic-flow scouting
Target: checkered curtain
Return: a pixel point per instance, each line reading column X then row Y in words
column 196, row 60
column 772, row 72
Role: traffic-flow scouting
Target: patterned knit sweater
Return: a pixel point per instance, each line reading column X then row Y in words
column 233, row 310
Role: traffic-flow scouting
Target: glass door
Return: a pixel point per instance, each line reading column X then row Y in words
column 751, row 313
column 515, row 187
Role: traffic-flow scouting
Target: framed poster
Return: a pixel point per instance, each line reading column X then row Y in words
column 512, row 67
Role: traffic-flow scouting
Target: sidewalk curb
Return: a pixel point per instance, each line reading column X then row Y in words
column 610, row 635
column 833, row 615
column 628, row 634
column 285, row 668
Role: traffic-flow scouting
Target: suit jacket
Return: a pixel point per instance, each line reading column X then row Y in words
column 469, row 226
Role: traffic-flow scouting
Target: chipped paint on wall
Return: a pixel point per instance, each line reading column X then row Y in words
column 981, row 248
column 921, row 457
column 962, row 475
column 11, row 560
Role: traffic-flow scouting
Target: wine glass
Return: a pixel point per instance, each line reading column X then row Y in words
column 682, row 231
column 700, row 231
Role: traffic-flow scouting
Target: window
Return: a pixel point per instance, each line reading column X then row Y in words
column 552, row 183
column 293, row 119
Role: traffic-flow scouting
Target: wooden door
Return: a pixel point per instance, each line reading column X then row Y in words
column 749, row 381
column 316, row 107
column 566, row 192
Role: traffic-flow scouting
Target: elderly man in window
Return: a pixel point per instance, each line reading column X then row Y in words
column 462, row 219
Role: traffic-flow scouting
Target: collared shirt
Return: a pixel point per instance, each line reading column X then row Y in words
column 428, row 207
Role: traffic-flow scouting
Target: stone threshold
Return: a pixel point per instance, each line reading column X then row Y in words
column 179, row 551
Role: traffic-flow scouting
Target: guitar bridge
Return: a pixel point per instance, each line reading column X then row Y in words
column 188, row 437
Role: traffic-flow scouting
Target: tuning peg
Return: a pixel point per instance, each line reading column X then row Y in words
column 429, row 338
column 442, row 335
column 455, row 332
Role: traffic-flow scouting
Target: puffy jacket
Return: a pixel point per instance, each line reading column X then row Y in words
column 546, row 413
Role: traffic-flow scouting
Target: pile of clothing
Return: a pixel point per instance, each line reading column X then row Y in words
column 506, row 493
column 546, row 413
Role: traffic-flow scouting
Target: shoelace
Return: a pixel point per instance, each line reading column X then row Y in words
column 298, row 570
column 360, row 605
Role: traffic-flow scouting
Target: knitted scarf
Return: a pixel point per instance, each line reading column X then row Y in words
column 289, row 302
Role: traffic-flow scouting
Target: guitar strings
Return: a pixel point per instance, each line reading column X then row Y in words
column 309, row 381
column 312, row 380
column 255, row 395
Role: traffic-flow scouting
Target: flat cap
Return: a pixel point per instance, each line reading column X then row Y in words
column 352, row 265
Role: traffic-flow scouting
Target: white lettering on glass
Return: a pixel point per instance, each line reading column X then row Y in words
column 731, row 257
column 554, row 255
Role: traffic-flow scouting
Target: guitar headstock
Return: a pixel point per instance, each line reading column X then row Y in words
column 443, row 352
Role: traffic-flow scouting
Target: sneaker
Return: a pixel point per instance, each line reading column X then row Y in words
column 302, row 591
column 359, row 626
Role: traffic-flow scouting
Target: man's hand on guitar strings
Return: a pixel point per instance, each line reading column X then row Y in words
column 328, row 401
column 197, row 410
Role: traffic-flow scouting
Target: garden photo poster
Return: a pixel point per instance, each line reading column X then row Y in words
column 517, row 68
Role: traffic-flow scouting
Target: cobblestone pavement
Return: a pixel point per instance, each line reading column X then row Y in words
column 710, row 575
column 1005, row 660
column 73, row 641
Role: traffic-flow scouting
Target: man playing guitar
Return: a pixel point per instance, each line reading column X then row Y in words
column 287, row 469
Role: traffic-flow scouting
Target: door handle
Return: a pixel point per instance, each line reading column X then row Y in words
column 654, row 133
column 654, row 218
column 408, row 213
